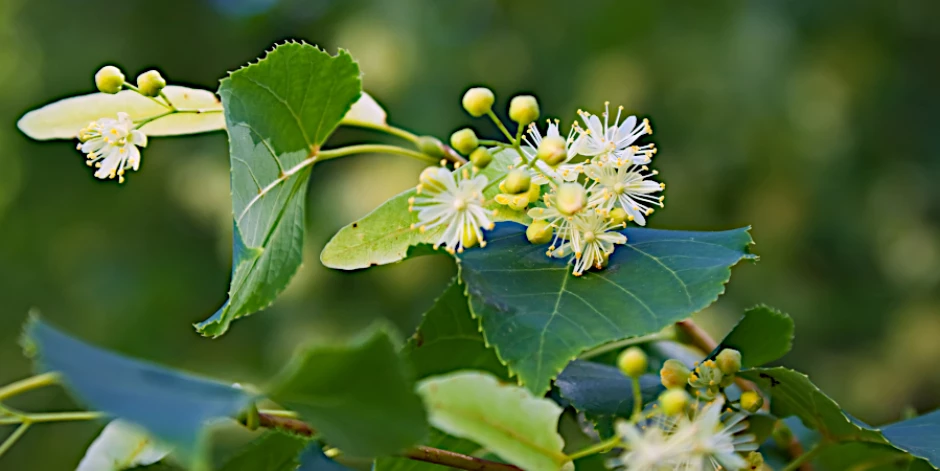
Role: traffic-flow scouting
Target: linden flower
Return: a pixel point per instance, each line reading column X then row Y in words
column 453, row 200
column 716, row 444
column 625, row 186
column 111, row 145
column 562, row 171
column 614, row 143
column 648, row 450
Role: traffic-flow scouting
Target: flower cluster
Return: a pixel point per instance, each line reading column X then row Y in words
column 579, row 188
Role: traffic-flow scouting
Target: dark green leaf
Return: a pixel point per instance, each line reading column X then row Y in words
column 539, row 316
column 272, row 451
column 919, row 436
column 602, row 390
column 357, row 395
column 449, row 339
column 438, row 440
column 173, row 406
column 868, row 457
column 313, row 459
column 278, row 113
column 763, row 335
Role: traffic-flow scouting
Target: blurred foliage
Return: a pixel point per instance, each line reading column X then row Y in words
column 812, row 121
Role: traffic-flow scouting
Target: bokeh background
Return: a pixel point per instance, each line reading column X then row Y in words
column 816, row 122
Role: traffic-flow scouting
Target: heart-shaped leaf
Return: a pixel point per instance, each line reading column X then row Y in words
column 539, row 316
column 602, row 390
column 763, row 335
column 273, row 451
column 278, row 113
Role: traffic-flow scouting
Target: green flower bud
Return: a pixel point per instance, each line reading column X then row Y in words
column 729, row 361
column 674, row 401
column 619, row 216
column 517, row 181
column 431, row 146
column 478, row 100
column 539, row 232
column 751, row 401
column 782, row 435
column 553, row 150
column 524, row 109
column 109, row 79
column 570, row 198
column 706, row 376
column 535, row 192
column 469, row 237
column 464, row 140
column 150, row 83
column 755, row 460
column 632, row 362
column 674, row 374
column 481, row 157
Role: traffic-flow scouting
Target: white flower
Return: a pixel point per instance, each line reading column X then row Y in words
column 648, row 450
column 625, row 186
column 564, row 171
column 587, row 235
column 453, row 200
column 614, row 143
column 111, row 145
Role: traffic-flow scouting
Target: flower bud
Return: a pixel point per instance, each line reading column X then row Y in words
column 729, row 361
column 469, row 237
column 535, row 192
column 755, row 460
column 570, row 198
column 539, row 232
column 553, row 150
column 109, row 79
column 674, row 374
column 674, row 401
column 524, row 109
column 751, row 401
column 431, row 146
column 481, row 157
column 464, row 140
column 618, row 216
column 150, row 83
column 782, row 435
column 478, row 100
column 517, row 181
column 632, row 362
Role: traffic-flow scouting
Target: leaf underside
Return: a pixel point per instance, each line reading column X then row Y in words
column 762, row 336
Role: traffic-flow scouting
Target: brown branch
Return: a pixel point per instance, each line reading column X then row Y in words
column 420, row 453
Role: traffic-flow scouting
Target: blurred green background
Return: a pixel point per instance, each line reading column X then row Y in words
column 813, row 121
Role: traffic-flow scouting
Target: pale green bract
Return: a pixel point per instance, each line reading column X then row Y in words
column 506, row 419
column 121, row 445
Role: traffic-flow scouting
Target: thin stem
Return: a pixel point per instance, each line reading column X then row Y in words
column 28, row 384
column 279, row 413
column 145, row 121
column 131, row 86
column 637, row 400
column 501, row 126
column 386, row 128
column 8, row 443
column 167, row 100
column 491, row 142
column 456, row 460
column 801, row 461
column 620, row 344
column 372, row 149
column 597, row 448
column 52, row 417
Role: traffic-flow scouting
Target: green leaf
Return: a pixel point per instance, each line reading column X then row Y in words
column 919, row 436
column 508, row 420
column 868, row 457
column 64, row 118
column 357, row 395
column 437, row 440
column 449, row 339
column 121, row 445
column 602, row 390
column 273, row 451
column 174, row 407
column 278, row 113
column 763, row 335
column 539, row 316
column 385, row 235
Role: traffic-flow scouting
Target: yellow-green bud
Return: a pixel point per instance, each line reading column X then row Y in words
column 431, row 146
column 150, row 83
column 539, row 232
column 782, row 435
column 674, row 374
column 570, row 198
column 464, row 140
column 751, row 401
column 109, row 79
column 755, row 460
column 729, row 361
column 519, row 202
column 478, row 100
column 535, row 192
column 469, row 237
column 517, row 181
column 674, row 401
column 553, row 150
column 524, row 109
column 618, row 216
column 481, row 157
column 632, row 362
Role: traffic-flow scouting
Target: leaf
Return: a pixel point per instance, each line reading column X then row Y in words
column 868, row 457
column 437, row 440
column 539, row 316
column 602, row 390
column 357, row 395
column 449, row 339
column 174, row 407
column 366, row 110
column 919, row 436
column 278, row 112
column 313, row 459
column 121, row 445
column 385, row 235
column 763, row 335
column 64, row 118
column 508, row 420
column 273, row 451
